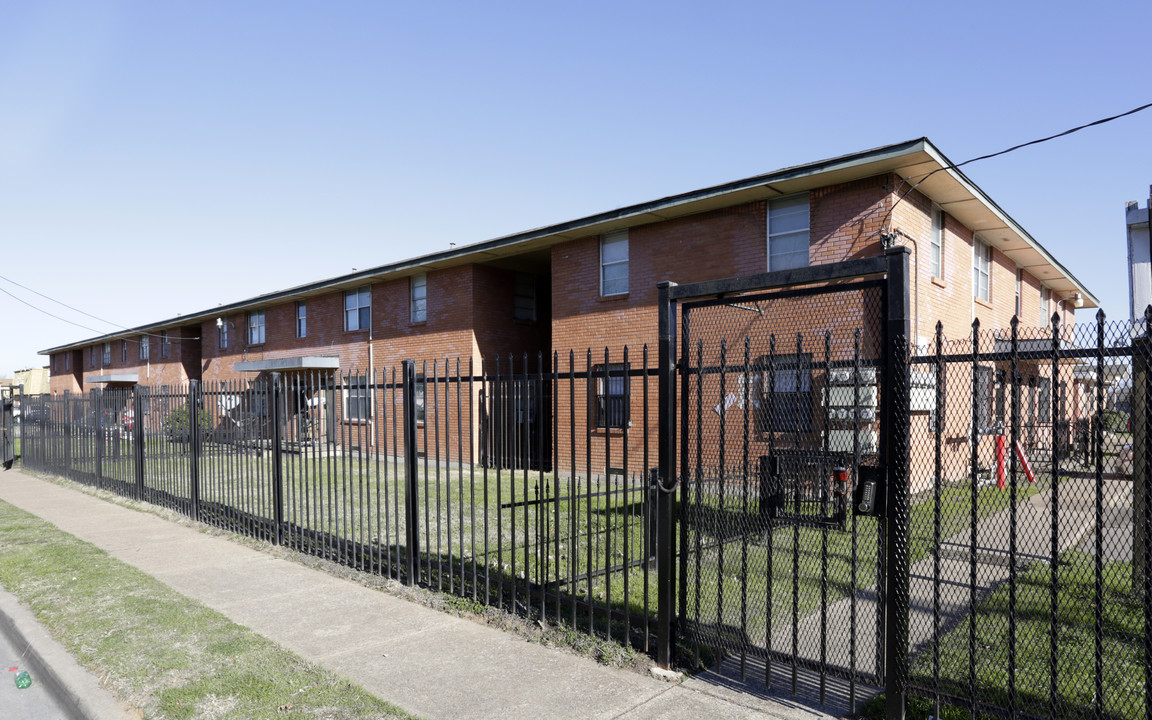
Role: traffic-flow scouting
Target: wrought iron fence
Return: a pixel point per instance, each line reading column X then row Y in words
column 503, row 483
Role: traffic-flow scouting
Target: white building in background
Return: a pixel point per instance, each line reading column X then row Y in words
column 1139, row 259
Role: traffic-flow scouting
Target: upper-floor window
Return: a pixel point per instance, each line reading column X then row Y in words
column 1019, row 292
column 54, row 363
column 357, row 309
column 1045, row 302
column 165, row 344
column 788, row 220
column 524, row 305
column 144, row 347
column 106, row 353
column 67, row 361
column 614, row 263
column 937, row 242
column 982, row 270
column 124, row 351
column 301, row 319
column 92, row 356
column 256, row 327
column 418, row 290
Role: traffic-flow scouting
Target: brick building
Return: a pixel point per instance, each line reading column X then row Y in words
column 591, row 282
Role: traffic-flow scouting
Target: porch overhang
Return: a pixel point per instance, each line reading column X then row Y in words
column 132, row 378
column 305, row 362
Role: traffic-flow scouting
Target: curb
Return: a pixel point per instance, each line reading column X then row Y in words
column 78, row 693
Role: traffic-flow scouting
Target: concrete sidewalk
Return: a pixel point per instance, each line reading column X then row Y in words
column 425, row 661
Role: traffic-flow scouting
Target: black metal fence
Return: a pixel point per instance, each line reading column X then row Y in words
column 1022, row 580
column 1030, row 522
column 496, row 483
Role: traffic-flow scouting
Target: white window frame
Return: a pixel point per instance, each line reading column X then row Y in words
column 256, row 327
column 981, row 266
column 356, row 387
column 301, row 319
column 165, row 344
column 223, row 332
column 609, row 287
column 145, row 350
column 418, row 298
column 1045, row 303
column 936, row 243
column 106, row 353
column 1019, row 292
column 792, row 232
column 124, row 351
column 354, row 315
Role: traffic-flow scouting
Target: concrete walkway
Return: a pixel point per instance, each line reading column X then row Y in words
column 428, row 662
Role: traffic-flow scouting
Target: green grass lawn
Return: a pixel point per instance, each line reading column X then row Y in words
column 158, row 650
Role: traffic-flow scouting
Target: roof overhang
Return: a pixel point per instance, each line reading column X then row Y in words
column 108, row 379
column 917, row 161
column 305, row 362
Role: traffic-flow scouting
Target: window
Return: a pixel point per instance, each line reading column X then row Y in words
column 1045, row 303
column 223, row 329
column 301, row 320
column 256, row 327
column 1044, row 391
column 611, row 405
column 614, row 263
column 937, row 242
column 124, row 351
column 92, row 356
column 165, row 346
column 144, row 347
column 418, row 290
column 788, row 232
column 357, row 309
column 982, row 270
column 54, row 363
column 106, row 354
column 1019, row 292
column 988, row 403
column 524, row 305
column 357, row 398
column 418, row 397
column 67, row 361
column 787, row 403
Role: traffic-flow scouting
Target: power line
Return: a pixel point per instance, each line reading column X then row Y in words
column 1101, row 121
column 70, row 322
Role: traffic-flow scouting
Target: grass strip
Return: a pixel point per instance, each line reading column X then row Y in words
column 157, row 650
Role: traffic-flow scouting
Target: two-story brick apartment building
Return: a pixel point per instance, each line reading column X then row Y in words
column 591, row 282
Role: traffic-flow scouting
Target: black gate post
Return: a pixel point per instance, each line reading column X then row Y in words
column 194, row 447
column 411, row 506
column 896, row 525
column 138, row 437
column 666, row 480
column 67, row 435
column 277, row 462
column 96, row 401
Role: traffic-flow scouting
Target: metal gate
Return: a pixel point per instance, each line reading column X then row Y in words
column 783, row 443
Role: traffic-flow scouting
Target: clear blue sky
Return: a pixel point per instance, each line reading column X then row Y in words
column 161, row 157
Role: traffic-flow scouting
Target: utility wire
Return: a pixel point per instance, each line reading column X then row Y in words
column 70, row 322
column 1133, row 111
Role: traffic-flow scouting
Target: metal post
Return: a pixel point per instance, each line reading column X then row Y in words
column 277, row 462
column 138, row 437
column 666, row 481
column 67, row 434
column 896, row 524
column 96, row 402
column 411, row 506
column 194, row 446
